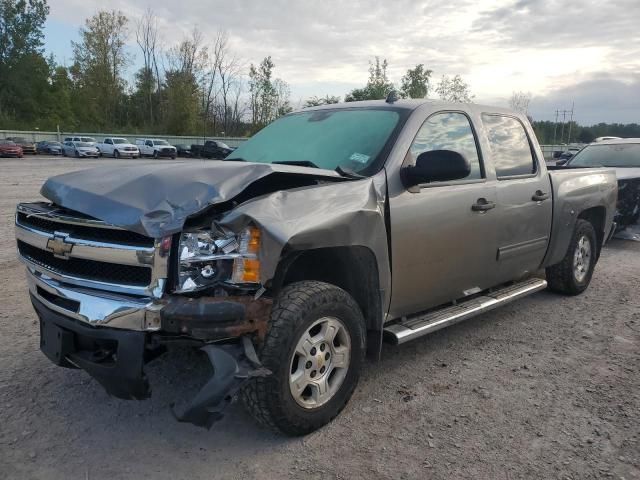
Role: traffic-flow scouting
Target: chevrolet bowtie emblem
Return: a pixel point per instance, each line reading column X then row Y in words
column 59, row 247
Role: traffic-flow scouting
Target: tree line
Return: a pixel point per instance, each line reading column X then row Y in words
column 190, row 88
column 194, row 87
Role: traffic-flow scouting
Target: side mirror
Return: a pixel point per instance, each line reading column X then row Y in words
column 436, row 166
column 561, row 163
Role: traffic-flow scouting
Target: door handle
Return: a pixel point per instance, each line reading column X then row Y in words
column 540, row 196
column 482, row 205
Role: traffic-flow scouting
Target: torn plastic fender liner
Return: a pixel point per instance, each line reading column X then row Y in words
column 155, row 199
column 233, row 365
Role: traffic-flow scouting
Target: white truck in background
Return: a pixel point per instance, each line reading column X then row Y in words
column 117, row 147
column 156, row 148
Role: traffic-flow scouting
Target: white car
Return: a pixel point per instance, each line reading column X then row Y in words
column 117, row 147
column 79, row 149
column 154, row 147
column 89, row 140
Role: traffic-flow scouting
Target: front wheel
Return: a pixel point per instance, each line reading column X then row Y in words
column 573, row 274
column 315, row 348
column 116, row 154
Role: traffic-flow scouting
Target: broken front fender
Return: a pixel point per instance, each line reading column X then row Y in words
column 344, row 214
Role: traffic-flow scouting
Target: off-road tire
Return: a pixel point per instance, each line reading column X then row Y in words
column 269, row 398
column 561, row 278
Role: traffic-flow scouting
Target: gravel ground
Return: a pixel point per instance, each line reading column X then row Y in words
column 547, row 387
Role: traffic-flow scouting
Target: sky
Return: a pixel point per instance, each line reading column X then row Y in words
column 564, row 52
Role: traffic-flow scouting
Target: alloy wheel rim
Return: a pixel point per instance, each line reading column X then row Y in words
column 582, row 259
column 320, row 362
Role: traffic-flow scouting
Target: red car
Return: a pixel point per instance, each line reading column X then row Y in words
column 10, row 149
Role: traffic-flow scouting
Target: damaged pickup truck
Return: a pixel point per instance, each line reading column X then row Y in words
column 291, row 261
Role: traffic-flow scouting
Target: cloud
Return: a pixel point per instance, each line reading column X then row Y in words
column 601, row 98
column 498, row 46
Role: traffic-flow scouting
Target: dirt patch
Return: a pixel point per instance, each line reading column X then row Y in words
column 548, row 387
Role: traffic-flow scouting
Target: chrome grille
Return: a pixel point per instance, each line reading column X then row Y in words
column 89, row 269
column 79, row 250
column 86, row 233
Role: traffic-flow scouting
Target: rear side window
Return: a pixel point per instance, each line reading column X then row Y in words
column 510, row 148
column 449, row 131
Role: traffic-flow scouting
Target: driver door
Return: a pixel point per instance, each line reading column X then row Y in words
column 443, row 246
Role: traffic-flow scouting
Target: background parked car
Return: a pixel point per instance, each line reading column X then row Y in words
column 211, row 149
column 90, row 140
column 27, row 146
column 49, row 147
column 183, row 150
column 622, row 154
column 117, row 147
column 154, row 147
column 10, row 149
column 79, row 149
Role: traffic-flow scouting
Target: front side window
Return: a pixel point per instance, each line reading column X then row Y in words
column 149, row 143
column 348, row 138
column 449, row 131
column 509, row 144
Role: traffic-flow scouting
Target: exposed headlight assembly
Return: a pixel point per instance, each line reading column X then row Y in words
column 212, row 257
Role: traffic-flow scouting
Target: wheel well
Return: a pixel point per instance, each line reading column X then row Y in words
column 354, row 269
column 596, row 216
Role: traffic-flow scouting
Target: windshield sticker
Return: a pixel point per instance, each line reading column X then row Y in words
column 359, row 157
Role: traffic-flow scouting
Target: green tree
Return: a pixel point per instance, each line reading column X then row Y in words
column 182, row 95
column 586, row 135
column 21, row 24
column 378, row 86
column 269, row 98
column 454, row 90
column 316, row 101
column 99, row 63
column 61, row 113
column 416, row 82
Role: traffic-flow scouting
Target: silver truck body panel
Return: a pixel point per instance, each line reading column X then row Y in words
column 575, row 191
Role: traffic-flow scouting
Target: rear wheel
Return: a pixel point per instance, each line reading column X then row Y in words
column 573, row 274
column 315, row 348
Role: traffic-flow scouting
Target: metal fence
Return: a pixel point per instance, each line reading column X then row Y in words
column 37, row 136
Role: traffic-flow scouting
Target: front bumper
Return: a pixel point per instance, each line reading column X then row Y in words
column 112, row 336
column 167, row 154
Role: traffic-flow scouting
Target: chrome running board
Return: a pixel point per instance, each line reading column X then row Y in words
column 423, row 324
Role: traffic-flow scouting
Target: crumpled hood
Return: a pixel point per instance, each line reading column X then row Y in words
column 155, row 199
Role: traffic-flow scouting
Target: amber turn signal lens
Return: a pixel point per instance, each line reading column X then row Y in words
column 250, row 240
column 246, row 270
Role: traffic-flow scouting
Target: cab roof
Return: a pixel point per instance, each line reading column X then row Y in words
column 411, row 104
